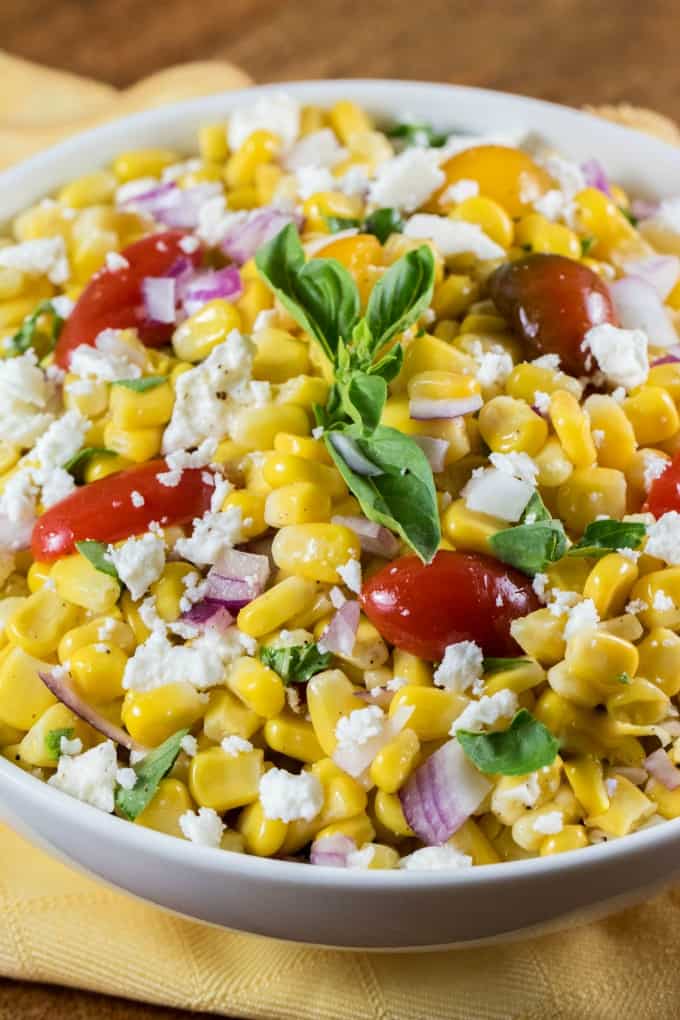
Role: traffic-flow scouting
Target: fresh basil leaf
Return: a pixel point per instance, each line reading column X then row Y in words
column 320, row 295
column 337, row 223
column 602, row 537
column 364, row 399
column 79, row 460
column 423, row 135
column 586, row 244
column 400, row 296
column 384, row 222
column 150, row 382
column 530, row 547
column 150, row 770
column 535, row 512
column 624, row 678
column 297, row 664
column 25, row 337
column 525, row 746
column 96, row 553
column 499, row 665
column 402, row 496
column 389, row 366
column 53, row 740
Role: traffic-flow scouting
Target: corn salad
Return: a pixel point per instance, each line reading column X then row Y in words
column 339, row 505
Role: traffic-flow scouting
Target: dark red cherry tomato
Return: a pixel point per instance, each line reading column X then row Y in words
column 113, row 298
column 422, row 608
column 551, row 302
column 664, row 492
column 104, row 510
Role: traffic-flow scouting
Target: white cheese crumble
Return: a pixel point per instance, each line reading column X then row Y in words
column 178, row 460
column 139, row 562
column 407, row 180
column 629, row 554
column 108, row 360
column 526, row 793
column 288, row 797
column 137, row 499
column 460, row 191
column 485, row 712
column 25, row 400
column 497, row 493
column 156, row 663
column 45, row 256
column 654, row 466
column 115, row 262
column 663, row 538
column 621, row 354
column 235, row 745
column 435, row 858
column 126, row 778
column 74, row 746
column 317, row 149
column 518, row 465
column 360, row 726
column 212, row 535
column 452, row 237
column 549, row 824
column 310, row 180
column 583, row 616
column 541, row 401
column 189, row 745
column 562, row 601
column 89, row 777
column 550, row 361
column 461, row 667
column 493, row 367
column 205, row 827
column 278, row 113
column 662, row 603
column 350, row 573
column 636, row 606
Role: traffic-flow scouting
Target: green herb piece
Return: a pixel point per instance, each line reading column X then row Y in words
column 150, row 771
column 525, row 746
column 96, row 553
column 423, row 135
column 53, row 741
column 400, row 296
column 149, row 382
column 384, row 222
column 493, row 665
column 602, row 537
column 25, row 337
column 297, row 664
column 535, row 512
column 337, row 223
column 586, row 244
column 633, row 220
column 364, row 399
column 624, row 678
column 78, row 461
column 530, row 547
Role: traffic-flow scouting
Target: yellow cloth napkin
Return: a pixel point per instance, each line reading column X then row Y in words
column 59, row 927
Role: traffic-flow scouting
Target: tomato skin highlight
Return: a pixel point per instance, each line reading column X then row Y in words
column 113, row 298
column 551, row 302
column 423, row 608
column 104, row 511
column 664, row 492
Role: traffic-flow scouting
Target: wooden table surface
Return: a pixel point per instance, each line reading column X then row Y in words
column 571, row 51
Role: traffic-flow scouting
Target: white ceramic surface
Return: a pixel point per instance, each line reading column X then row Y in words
column 334, row 907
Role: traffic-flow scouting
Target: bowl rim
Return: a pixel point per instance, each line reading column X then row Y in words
column 183, row 852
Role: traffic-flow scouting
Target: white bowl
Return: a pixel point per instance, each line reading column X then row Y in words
column 324, row 906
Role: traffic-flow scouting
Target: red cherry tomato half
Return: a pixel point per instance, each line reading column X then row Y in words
column 113, row 298
column 104, row 510
column 664, row 492
column 551, row 302
column 422, row 608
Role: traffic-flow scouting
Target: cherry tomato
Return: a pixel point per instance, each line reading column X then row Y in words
column 664, row 492
column 422, row 608
column 113, row 298
column 551, row 302
column 104, row 510
column 507, row 176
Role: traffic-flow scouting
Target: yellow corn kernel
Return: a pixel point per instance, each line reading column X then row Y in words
column 590, row 493
column 169, row 589
column 87, row 396
column 410, row 668
column 524, row 832
column 575, row 689
column 40, row 621
column 626, row 626
column 519, row 678
column 278, row 356
column 666, row 802
column 609, row 584
column 212, row 143
column 323, row 204
column 319, row 608
column 252, row 507
column 389, row 813
column 667, row 377
column 598, row 217
column 315, row 551
column 9, row 455
column 163, row 811
column 101, row 465
column 77, row 581
column 438, row 385
column 228, row 452
column 227, row 716
column 572, row 837
column 346, row 119
column 150, row 717
column 527, row 378
column 540, row 235
column 434, row 710
column 303, row 391
column 104, row 628
column 312, row 118
column 277, row 606
column 616, row 446
column 258, row 687
column 554, row 467
column 600, row 658
column 393, row 764
column 298, row 503
column 471, row 840
column 639, row 703
column 136, row 445
column 572, row 428
column 330, row 696
column 468, row 529
column 38, row 574
column 628, row 809
column 293, row 736
column 143, row 163
column 489, row 215
column 430, row 354
column 91, row 189
column 259, row 147
column 508, row 425
column 256, row 298
column 33, row 749
column 23, row 695
column 660, row 660
column 195, row 338
column 262, row 836
column 302, row 446
column 98, row 670
column 359, row 829
column 652, row 414
column 255, row 427
column 8, row 606
column 454, row 295
column 133, row 410
column 223, row 781
column 12, row 282
column 586, row 779
column 656, row 588
column 540, row 635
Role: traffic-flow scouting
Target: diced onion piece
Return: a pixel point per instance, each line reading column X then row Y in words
column 340, row 634
column 58, row 683
column 356, row 760
column 171, row 205
column 353, row 457
column 638, row 306
column 158, row 293
column 332, row 851
column 209, row 613
column 659, row 765
column 426, row 410
column 244, row 237
column 236, row 579
column 210, row 284
column 435, row 450
column 374, row 538
column 662, row 271
column 595, row 176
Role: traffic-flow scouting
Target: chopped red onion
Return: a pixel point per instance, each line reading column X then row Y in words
column 662, row 271
column 353, row 457
column 659, row 765
column 596, row 176
column 340, row 634
column 638, row 306
column 209, row 613
column 245, row 236
column 332, row 851
column 435, row 450
column 374, row 538
column 236, row 579
column 356, row 759
column 668, row 359
column 158, row 293
column 58, row 683
column 442, row 794
column 211, row 284
column 171, row 205
column 643, row 210
column 425, row 410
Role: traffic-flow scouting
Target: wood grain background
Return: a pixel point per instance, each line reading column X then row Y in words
column 571, row 51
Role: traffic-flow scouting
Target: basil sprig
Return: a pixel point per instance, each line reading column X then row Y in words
column 602, row 537
column 150, row 770
column 525, row 746
column 530, row 547
column 27, row 334
column 423, row 135
column 385, row 469
column 380, row 223
column 296, row 664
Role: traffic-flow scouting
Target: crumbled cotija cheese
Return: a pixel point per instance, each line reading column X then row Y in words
column 26, row 399
column 359, row 727
column 278, row 113
column 621, row 354
column 288, row 797
column 583, row 616
column 350, row 573
column 452, row 237
column 90, row 777
column 235, row 745
column 44, row 256
column 461, row 667
column 663, row 538
column 139, row 562
column 212, row 535
column 435, row 858
column 487, row 711
column 108, row 360
column 406, row 181
column 205, row 827
column 156, row 663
